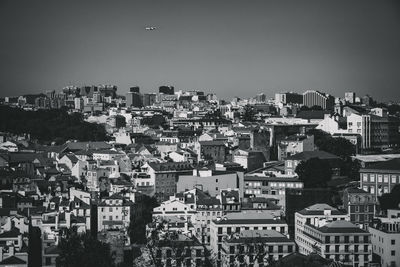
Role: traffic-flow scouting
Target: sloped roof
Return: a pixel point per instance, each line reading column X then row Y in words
column 390, row 165
column 319, row 208
column 12, row 260
column 341, row 226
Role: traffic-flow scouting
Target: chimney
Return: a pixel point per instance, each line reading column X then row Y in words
column 11, row 251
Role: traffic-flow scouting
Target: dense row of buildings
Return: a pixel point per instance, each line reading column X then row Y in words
column 224, row 174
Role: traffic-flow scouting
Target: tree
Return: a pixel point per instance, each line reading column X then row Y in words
column 340, row 147
column 35, row 247
column 54, row 125
column 314, row 173
column 83, row 250
column 249, row 113
column 141, row 216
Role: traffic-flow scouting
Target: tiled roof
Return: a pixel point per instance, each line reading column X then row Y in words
column 341, row 226
column 390, row 165
column 212, row 143
column 318, row 209
column 171, row 166
column 12, row 261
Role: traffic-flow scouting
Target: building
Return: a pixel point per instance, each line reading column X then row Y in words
column 149, row 99
column 295, row 144
column 326, row 231
column 193, row 206
column 249, row 159
column 163, row 177
column 316, row 215
column 167, row 90
column 134, row 98
column 261, row 98
column 350, row 97
column 360, row 205
column 381, row 177
column 297, row 199
column 210, row 181
column 270, row 186
column 236, row 223
column 314, row 98
column 255, row 247
column 113, row 213
column 385, row 238
column 179, row 250
column 211, row 150
column 288, row 98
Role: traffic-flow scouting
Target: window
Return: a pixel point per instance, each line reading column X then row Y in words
column 393, row 253
column 393, row 242
column 386, row 178
column 393, row 179
column 379, row 178
column 372, row 178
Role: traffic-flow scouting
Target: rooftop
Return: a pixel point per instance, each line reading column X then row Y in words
column 319, row 209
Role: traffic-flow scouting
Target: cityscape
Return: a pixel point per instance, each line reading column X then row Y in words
column 121, row 172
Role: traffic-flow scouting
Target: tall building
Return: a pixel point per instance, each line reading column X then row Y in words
column 134, row 89
column 134, row 98
column 288, row 98
column 168, row 90
column 261, row 98
column 149, row 99
column 314, row 98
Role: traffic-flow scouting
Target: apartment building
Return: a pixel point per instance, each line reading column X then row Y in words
column 255, row 248
column 385, row 238
column 380, row 178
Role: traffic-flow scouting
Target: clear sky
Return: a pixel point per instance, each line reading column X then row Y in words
column 233, row 48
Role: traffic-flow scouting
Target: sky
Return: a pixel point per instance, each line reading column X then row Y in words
column 232, row 48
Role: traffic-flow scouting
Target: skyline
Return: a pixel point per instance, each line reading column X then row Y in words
column 231, row 48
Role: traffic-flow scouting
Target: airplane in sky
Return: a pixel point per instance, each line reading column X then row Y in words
column 150, row 28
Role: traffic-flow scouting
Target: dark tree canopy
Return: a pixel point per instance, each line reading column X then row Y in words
column 305, row 108
column 340, row 147
column 141, row 216
column 314, row 173
column 83, row 250
column 390, row 200
column 50, row 125
column 249, row 113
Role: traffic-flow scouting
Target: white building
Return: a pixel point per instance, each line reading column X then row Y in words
column 385, row 237
column 326, row 231
column 113, row 213
column 237, row 223
column 316, row 215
